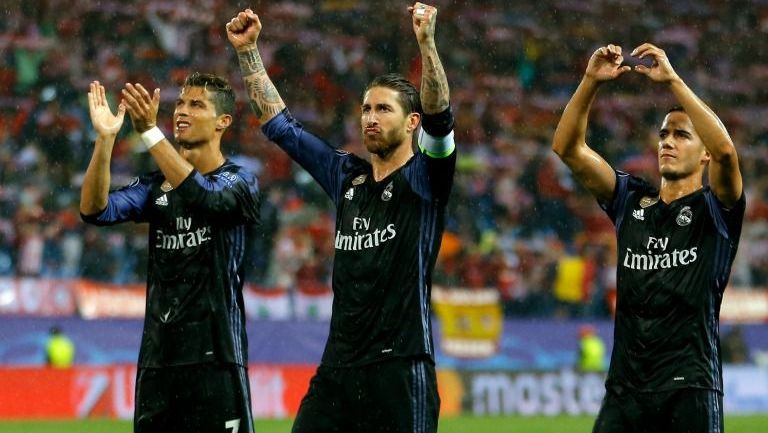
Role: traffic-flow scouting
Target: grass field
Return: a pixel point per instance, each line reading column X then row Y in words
column 467, row 424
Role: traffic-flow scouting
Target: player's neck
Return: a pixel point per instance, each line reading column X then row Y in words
column 384, row 165
column 205, row 158
column 673, row 189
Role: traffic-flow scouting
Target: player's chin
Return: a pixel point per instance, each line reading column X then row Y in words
column 671, row 174
column 186, row 143
column 373, row 144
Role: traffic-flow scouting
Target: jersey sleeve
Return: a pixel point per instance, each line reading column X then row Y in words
column 728, row 221
column 432, row 173
column 123, row 204
column 323, row 162
column 430, row 177
column 232, row 195
column 626, row 185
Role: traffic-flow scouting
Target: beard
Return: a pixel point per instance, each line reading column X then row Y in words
column 384, row 143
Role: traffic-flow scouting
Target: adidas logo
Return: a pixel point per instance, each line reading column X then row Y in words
column 638, row 214
column 162, row 200
column 350, row 193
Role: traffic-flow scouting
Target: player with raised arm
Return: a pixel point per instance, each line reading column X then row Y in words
column 377, row 373
column 192, row 363
column 676, row 244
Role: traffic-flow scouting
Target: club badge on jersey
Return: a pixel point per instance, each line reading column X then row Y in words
column 386, row 195
column 685, row 216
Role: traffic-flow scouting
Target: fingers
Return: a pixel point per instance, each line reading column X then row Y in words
column 140, row 105
column 242, row 20
column 421, row 11
column 92, row 96
column 623, row 69
column 102, row 95
column 136, row 96
column 642, row 69
column 253, row 17
column 647, row 49
column 95, row 92
column 611, row 52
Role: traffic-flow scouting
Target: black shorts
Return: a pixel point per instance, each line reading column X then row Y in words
column 688, row 410
column 395, row 396
column 197, row 398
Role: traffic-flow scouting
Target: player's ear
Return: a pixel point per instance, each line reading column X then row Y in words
column 223, row 121
column 412, row 122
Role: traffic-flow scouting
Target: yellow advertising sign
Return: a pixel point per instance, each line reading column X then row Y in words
column 470, row 321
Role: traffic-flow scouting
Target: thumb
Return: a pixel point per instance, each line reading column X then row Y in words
column 156, row 96
column 642, row 69
column 622, row 70
column 121, row 112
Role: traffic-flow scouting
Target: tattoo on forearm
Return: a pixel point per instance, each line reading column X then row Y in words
column 256, row 109
column 265, row 100
column 434, row 84
column 264, row 97
column 250, row 62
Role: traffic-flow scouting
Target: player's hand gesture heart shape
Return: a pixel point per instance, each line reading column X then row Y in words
column 605, row 64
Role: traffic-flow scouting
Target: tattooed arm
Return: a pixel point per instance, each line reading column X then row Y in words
column 434, row 84
column 243, row 32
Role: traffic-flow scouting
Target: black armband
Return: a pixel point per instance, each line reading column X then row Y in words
column 438, row 124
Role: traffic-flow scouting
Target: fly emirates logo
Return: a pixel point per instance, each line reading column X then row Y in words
column 656, row 256
column 363, row 237
column 184, row 237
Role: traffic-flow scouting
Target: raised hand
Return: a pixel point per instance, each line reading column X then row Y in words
column 424, row 18
column 243, row 30
column 104, row 121
column 141, row 106
column 605, row 64
column 661, row 69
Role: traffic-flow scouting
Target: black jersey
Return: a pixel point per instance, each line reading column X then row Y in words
column 197, row 239
column 673, row 265
column 388, row 235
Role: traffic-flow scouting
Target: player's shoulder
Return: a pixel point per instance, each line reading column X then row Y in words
column 147, row 179
column 353, row 165
column 234, row 171
column 636, row 184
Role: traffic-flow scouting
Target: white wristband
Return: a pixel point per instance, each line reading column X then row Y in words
column 152, row 137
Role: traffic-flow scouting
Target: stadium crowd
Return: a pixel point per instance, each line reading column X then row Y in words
column 517, row 220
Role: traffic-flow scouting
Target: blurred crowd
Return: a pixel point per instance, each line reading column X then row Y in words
column 517, row 221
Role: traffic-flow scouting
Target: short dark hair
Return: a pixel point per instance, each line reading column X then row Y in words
column 408, row 95
column 676, row 108
column 221, row 92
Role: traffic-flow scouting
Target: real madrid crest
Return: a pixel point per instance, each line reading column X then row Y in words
column 648, row 201
column 386, row 195
column 166, row 186
column 359, row 179
column 685, row 216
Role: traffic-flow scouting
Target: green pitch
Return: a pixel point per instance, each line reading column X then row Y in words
column 464, row 424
